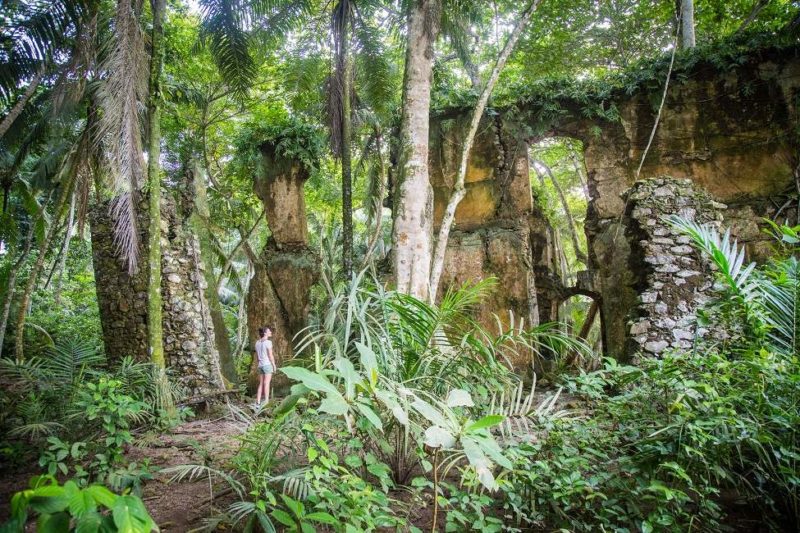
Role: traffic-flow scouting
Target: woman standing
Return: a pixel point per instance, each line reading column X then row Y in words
column 266, row 363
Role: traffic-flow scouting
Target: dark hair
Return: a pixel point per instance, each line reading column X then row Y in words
column 261, row 332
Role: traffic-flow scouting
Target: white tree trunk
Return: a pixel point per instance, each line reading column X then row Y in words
column 412, row 233
column 458, row 189
column 687, row 23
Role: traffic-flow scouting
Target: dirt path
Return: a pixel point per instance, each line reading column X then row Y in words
column 175, row 505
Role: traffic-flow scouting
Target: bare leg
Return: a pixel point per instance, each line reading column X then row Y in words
column 267, row 380
column 260, row 388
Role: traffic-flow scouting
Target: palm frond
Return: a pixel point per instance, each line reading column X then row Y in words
column 521, row 418
column 782, row 302
column 121, row 96
column 193, row 472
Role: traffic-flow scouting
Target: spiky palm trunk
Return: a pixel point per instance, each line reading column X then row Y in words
column 341, row 126
column 412, row 233
column 347, row 176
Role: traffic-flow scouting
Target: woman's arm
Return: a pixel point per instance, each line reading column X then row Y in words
column 272, row 359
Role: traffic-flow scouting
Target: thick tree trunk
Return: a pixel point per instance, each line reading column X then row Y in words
column 11, row 286
column 15, row 112
column 155, row 331
column 573, row 230
column 687, row 24
column 458, row 189
column 413, row 207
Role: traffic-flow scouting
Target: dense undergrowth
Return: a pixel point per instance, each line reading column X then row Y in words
column 405, row 416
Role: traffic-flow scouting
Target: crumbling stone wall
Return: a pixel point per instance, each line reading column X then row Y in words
column 492, row 234
column 189, row 343
column 675, row 279
column 731, row 130
column 500, row 229
column 280, row 291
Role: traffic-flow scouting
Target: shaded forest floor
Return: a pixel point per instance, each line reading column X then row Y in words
column 212, row 439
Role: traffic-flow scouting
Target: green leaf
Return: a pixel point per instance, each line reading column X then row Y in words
column 389, row 401
column 89, row 522
column 322, row 518
column 48, row 499
column 102, row 495
column 335, row 405
column 283, row 517
column 438, row 437
column 295, row 506
column 485, row 422
column 459, row 398
column 370, row 415
column 53, row 523
column 312, row 380
column 430, row 412
column 369, row 361
column 349, row 374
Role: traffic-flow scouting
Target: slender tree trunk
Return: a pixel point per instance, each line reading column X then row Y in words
column 155, row 326
column 458, row 189
column 576, row 162
column 11, row 286
column 19, row 349
column 573, row 230
column 15, row 112
column 687, row 23
column 759, row 5
column 155, row 331
column 220, row 282
column 62, row 262
column 345, row 64
column 587, row 324
column 413, row 207
column 199, row 216
column 376, row 232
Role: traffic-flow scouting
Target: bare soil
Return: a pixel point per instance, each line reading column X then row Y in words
column 175, row 505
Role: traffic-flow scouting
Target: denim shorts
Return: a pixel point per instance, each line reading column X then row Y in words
column 265, row 369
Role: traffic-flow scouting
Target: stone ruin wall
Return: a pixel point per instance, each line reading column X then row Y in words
column 280, row 291
column 189, row 342
column 677, row 279
column 732, row 133
column 499, row 231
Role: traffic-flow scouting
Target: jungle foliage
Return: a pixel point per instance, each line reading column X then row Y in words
column 399, row 414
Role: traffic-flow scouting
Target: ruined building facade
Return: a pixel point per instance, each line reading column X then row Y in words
column 727, row 142
column 725, row 152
